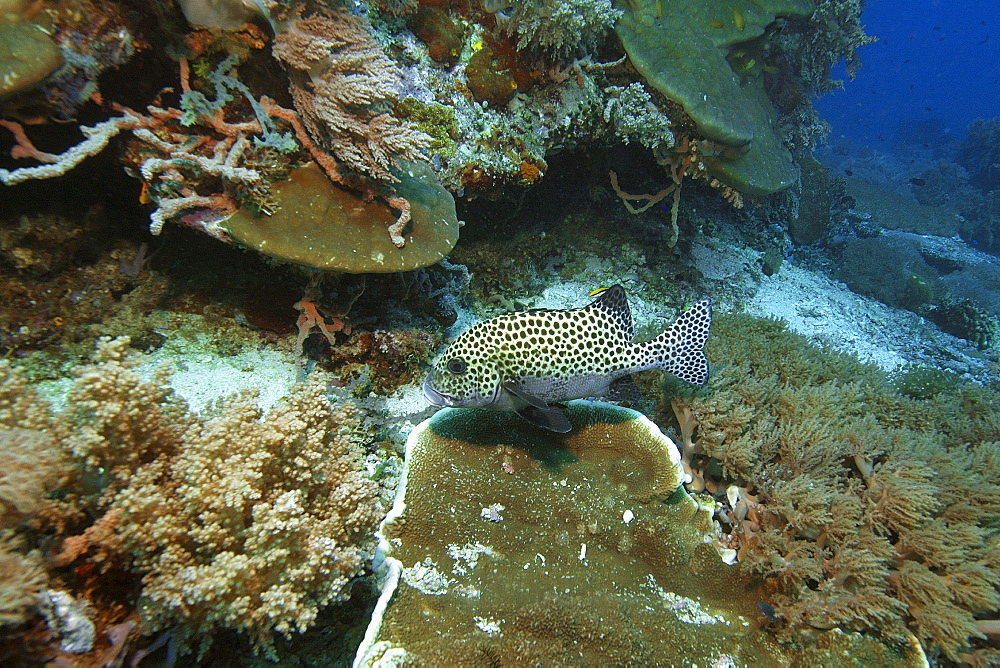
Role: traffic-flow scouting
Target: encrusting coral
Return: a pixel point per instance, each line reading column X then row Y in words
column 232, row 520
column 865, row 509
column 508, row 545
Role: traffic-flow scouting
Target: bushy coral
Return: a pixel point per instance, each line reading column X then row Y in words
column 634, row 117
column 866, row 508
column 21, row 581
column 31, row 465
column 559, row 28
column 232, row 520
column 919, row 381
column 32, row 460
column 965, row 319
column 281, row 533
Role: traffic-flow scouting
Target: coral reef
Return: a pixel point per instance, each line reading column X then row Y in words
column 865, row 509
column 22, row 579
column 965, row 319
column 320, row 225
column 888, row 267
column 27, row 55
column 286, row 527
column 661, row 39
column 561, row 29
column 579, row 548
column 519, row 80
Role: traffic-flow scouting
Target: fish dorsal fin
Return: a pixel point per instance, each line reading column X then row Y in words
column 612, row 301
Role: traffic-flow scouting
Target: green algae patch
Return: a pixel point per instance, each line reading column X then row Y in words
column 681, row 48
column 323, row 226
column 492, row 557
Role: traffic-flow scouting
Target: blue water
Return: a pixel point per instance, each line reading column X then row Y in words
column 934, row 60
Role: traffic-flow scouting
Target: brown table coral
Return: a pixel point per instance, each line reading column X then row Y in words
column 510, row 546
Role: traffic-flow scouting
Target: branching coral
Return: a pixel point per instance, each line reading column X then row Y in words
column 32, row 461
column 21, row 581
column 281, row 533
column 868, row 509
column 236, row 520
column 122, row 420
column 560, row 28
column 31, row 465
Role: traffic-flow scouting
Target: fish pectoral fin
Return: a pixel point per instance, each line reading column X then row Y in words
column 623, row 389
column 527, row 398
column 547, row 417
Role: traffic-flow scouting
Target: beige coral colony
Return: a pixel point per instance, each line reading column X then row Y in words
column 690, row 389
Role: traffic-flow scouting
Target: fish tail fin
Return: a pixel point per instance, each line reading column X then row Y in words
column 680, row 350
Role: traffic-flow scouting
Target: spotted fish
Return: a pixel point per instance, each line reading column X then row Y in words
column 530, row 361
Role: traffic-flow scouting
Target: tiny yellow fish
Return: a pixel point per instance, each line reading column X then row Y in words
column 659, row 9
column 739, row 19
column 717, row 24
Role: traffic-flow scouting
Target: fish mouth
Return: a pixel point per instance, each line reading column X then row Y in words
column 435, row 398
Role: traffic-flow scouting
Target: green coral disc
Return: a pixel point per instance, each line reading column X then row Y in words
column 323, row 226
column 27, row 55
column 680, row 48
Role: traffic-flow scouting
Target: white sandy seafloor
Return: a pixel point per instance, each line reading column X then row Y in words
column 828, row 313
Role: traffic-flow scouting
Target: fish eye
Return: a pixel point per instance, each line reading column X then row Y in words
column 456, row 365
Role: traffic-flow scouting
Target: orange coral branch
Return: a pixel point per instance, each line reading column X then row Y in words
column 309, row 318
column 323, row 159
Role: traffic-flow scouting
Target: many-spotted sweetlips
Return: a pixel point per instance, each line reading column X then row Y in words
column 530, row 361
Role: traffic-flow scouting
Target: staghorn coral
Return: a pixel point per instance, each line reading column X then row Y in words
column 866, row 509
